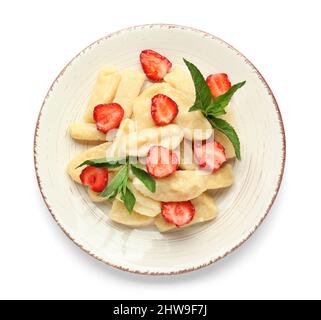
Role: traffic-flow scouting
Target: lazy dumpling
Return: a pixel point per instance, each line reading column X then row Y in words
column 95, row 197
column 144, row 205
column 129, row 142
column 129, row 88
column 180, row 186
column 222, row 178
column 194, row 124
column 186, row 185
column 205, row 210
column 142, row 113
column 187, row 161
column 181, row 80
column 86, row 132
column 142, row 105
column 119, row 214
column 187, row 158
column 103, row 92
column 92, row 153
column 154, row 89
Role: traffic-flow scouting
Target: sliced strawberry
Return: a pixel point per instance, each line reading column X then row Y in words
column 154, row 65
column 108, row 116
column 209, row 155
column 161, row 162
column 178, row 213
column 164, row 110
column 218, row 83
column 95, row 178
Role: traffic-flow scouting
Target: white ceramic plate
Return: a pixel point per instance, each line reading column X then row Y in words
column 242, row 207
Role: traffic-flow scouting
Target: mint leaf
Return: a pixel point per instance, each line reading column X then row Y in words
column 145, row 178
column 203, row 92
column 104, row 163
column 122, row 188
column 216, row 113
column 129, row 199
column 116, row 184
column 229, row 131
column 219, row 104
column 213, row 107
column 119, row 185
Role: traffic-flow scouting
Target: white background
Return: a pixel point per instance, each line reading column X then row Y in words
column 283, row 258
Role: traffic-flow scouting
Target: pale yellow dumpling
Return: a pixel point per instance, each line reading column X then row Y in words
column 205, row 210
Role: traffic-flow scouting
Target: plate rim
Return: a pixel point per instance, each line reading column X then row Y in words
column 282, row 132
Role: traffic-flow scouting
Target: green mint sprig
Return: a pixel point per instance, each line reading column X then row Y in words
column 104, row 163
column 145, row 178
column 212, row 107
column 119, row 184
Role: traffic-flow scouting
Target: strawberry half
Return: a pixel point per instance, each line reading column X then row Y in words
column 108, row 116
column 161, row 162
column 164, row 110
column 178, row 213
column 218, row 83
column 95, row 178
column 210, row 155
column 154, row 65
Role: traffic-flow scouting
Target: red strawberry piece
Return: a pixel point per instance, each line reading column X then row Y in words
column 95, row 178
column 154, row 65
column 164, row 110
column 178, row 213
column 108, row 116
column 218, row 83
column 161, row 162
column 209, row 155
